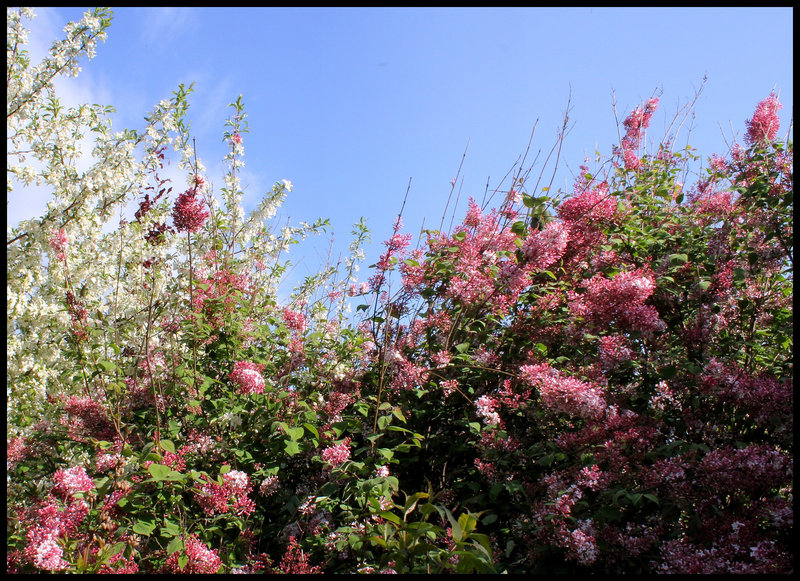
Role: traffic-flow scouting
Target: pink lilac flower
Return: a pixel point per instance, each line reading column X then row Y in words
column 228, row 497
column 295, row 561
column 58, row 242
column 16, row 450
column 295, row 320
column 486, row 407
column 269, row 485
column 449, row 386
column 764, row 125
column 589, row 206
column 583, row 547
column 564, row 394
column 632, row 161
column 72, row 481
column 590, row 477
column 49, row 556
column 382, row 471
column 189, row 213
column 337, row 454
column 544, row 247
column 637, row 122
column 247, row 377
column 51, row 522
column 614, row 349
column 202, row 560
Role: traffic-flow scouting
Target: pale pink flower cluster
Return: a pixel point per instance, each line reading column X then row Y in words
column 564, row 394
column 663, row 398
column 48, row 556
column 486, row 407
column 247, row 377
column 49, row 524
column 70, row 482
column 449, row 386
column 228, row 497
column 202, row 560
column 58, row 243
column 764, row 125
column 337, row 454
column 295, row 320
column 618, row 300
column 544, row 247
column 382, row 471
column 355, row 290
column 269, row 485
column 583, row 546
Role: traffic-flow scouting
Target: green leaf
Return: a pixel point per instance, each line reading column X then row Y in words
column 175, row 545
column 676, row 259
column 291, row 447
column 295, row 433
column 144, row 528
column 159, row 471
column 311, row 428
column 167, row 445
column 107, row 365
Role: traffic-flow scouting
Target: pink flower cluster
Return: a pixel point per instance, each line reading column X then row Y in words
column 637, row 122
column 247, row 377
column 58, row 243
column 613, row 350
column 564, row 394
column 87, row 417
column 70, row 482
column 544, row 247
column 764, row 125
column 295, row 560
column 49, row 524
column 596, row 205
column 337, row 454
column 486, row 407
column 202, row 560
column 618, row 300
column 269, row 485
column 295, row 320
column 16, row 450
column 228, row 497
column 189, row 213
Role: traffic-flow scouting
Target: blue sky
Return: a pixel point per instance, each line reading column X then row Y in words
column 351, row 103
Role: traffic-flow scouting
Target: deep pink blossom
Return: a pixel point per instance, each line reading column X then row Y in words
column 202, row 560
column 637, row 122
column 72, row 481
column 764, row 125
column 189, row 213
column 337, row 454
column 247, row 377
column 229, row 497
column 544, row 247
column 296, row 561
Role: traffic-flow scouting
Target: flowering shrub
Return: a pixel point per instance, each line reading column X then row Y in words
column 592, row 384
